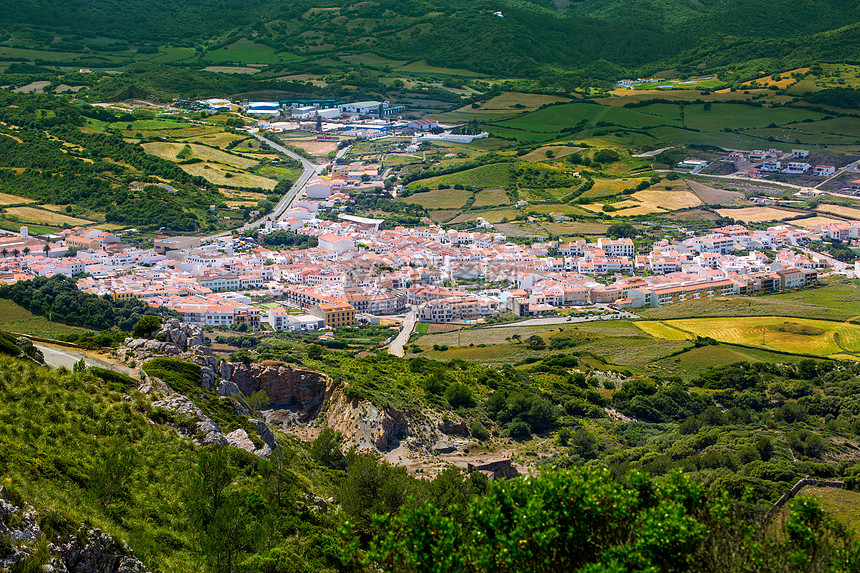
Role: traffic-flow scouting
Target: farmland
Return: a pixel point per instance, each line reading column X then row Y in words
column 440, row 198
column 758, row 214
column 43, row 216
column 16, row 319
column 837, row 301
column 783, row 334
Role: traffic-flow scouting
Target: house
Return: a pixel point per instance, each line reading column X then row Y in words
column 318, row 189
column 797, row 167
column 734, row 156
column 336, row 243
column 336, row 314
column 824, row 170
column 757, row 155
column 800, row 153
column 771, row 165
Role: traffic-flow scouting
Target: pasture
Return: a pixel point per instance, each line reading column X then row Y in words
column 17, row 319
column 838, row 301
column 440, row 198
column 493, row 175
column 712, row 195
column 245, row 51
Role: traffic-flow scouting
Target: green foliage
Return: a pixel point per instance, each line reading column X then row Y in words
column 586, row 520
column 146, row 326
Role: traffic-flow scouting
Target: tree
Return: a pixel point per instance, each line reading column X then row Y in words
column 535, row 342
column 147, row 325
column 325, row 449
column 458, row 394
column 621, row 230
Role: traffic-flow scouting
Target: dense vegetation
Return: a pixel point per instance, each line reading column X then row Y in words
column 58, row 299
column 533, row 38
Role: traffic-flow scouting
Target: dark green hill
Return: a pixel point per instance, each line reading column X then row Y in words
column 530, row 39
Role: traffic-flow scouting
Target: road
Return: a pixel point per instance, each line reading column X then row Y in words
column 551, row 320
column 838, row 266
column 310, row 170
column 402, row 338
column 55, row 356
column 653, row 153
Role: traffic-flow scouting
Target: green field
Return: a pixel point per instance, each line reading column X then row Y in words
column 440, row 198
column 16, row 319
column 494, row 175
column 247, row 52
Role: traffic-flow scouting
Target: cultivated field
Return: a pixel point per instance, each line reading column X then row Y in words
column 170, row 151
column 840, row 210
column 784, row 334
column 671, row 200
column 814, row 221
column 757, row 214
column 558, row 151
column 34, row 215
column 712, row 195
column 7, row 199
column 491, row 197
column 217, row 175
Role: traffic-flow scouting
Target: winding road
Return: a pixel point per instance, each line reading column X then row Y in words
column 309, row 171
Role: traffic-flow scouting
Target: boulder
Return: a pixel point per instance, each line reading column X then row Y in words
column 264, row 432
column 456, row 427
column 239, row 439
column 91, row 551
column 226, row 388
column 364, row 425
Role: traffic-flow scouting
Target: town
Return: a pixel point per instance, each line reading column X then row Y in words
column 358, row 272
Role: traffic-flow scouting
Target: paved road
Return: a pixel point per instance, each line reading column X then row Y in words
column 653, row 153
column 548, row 321
column 310, row 170
column 55, row 356
column 402, row 338
column 838, row 266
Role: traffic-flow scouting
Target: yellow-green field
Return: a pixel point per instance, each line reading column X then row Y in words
column 169, row 151
column 757, row 214
column 491, row 197
column 840, row 210
column 795, row 335
column 34, row 215
column 440, row 198
column 6, row 199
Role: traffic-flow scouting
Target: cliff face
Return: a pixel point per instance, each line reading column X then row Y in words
column 364, row 425
column 299, row 390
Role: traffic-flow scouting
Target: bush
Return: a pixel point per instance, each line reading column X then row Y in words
column 519, row 430
column 459, row 395
column 478, row 431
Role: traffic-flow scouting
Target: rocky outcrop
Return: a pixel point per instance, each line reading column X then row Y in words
column 364, row 425
column 204, row 430
column 86, row 551
column 172, row 339
column 299, row 390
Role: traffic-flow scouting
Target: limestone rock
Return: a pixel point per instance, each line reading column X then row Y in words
column 456, row 427
column 91, row 551
column 264, row 432
column 227, row 388
column 239, row 439
column 298, row 389
column 364, row 425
